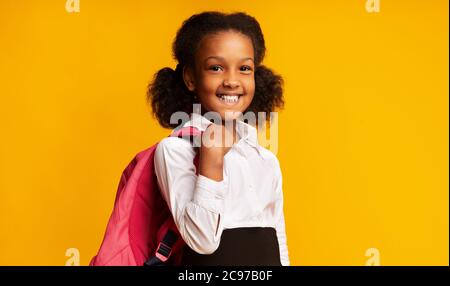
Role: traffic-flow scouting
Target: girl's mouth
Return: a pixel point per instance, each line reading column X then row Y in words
column 229, row 99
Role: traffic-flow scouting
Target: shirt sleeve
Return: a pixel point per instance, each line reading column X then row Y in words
column 196, row 202
column 279, row 217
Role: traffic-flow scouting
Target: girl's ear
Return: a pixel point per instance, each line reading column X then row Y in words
column 188, row 78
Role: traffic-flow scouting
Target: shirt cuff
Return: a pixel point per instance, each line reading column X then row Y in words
column 209, row 194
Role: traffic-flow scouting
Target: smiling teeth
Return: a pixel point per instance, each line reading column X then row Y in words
column 229, row 98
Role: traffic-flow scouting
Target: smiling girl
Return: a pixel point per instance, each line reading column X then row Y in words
column 229, row 210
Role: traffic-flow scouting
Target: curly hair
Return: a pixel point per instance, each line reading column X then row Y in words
column 167, row 93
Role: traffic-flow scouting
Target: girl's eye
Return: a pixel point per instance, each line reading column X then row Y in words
column 218, row 68
column 215, row 68
column 246, row 68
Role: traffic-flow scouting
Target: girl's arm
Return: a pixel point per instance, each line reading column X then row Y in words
column 279, row 217
column 196, row 202
column 212, row 152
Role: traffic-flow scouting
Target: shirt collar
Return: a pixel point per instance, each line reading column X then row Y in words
column 246, row 132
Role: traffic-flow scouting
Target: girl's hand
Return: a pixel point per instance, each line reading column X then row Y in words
column 216, row 142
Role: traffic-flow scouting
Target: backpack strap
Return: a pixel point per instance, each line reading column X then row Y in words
column 193, row 134
column 186, row 132
column 164, row 249
column 168, row 235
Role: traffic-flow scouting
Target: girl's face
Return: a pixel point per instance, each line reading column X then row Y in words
column 223, row 79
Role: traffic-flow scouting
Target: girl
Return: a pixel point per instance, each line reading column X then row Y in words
column 231, row 213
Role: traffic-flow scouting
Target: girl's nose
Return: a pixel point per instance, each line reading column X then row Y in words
column 231, row 83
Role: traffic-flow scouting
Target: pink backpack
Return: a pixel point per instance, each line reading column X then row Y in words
column 141, row 229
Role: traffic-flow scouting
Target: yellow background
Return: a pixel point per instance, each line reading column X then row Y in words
column 363, row 141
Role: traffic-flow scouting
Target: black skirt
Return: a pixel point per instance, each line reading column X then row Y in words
column 251, row 246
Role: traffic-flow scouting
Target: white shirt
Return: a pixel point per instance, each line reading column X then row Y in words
column 250, row 194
